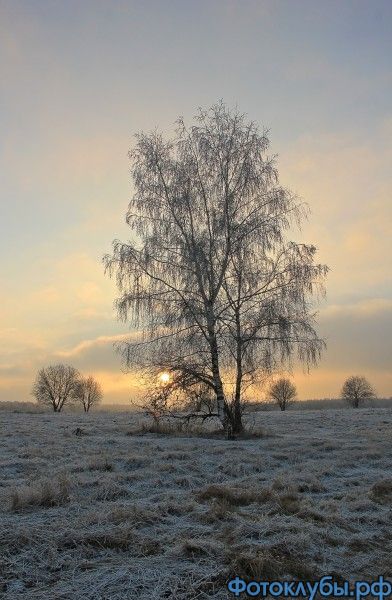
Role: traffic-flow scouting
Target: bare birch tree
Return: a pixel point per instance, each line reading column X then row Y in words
column 56, row 385
column 206, row 211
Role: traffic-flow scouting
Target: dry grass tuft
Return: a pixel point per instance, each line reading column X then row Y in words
column 44, row 493
column 251, row 432
column 110, row 491
column 311, row 515
column 254, row 566
column 194, row 549
column 219, row 510
column 136, row 515
column 182, row 428
column 381, row 491
column 359, row 544
column 289, row 503
column 136, row 461
column 232, row 496
column 173, row 428
column 100, row 464
column 269, row 564
column 122, row 538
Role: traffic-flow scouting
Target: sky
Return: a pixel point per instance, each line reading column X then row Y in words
column 79, row 79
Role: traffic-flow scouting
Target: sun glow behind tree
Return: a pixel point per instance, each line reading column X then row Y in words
column 164, row 378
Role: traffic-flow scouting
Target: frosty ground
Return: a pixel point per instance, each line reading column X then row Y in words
column 92, row 507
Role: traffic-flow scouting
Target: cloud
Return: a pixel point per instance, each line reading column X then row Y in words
column 356, row 337
column 360, row 310
column 101, row 341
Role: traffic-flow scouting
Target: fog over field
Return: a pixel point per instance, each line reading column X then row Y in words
column 94, row 506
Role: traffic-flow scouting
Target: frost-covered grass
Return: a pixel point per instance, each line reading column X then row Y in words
column 92, row 510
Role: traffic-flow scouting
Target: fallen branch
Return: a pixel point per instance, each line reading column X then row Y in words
column 189, row 416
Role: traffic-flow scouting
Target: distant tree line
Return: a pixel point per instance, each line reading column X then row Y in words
column 58, row 385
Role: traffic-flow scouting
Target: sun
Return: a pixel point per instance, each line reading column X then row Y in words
column 164, row 377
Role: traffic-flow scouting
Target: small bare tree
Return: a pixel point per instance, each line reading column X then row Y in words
column 88, row 392
column 356, row 390
column 283, row 392
column 56, row 385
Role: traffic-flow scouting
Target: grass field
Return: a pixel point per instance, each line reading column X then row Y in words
column 93, row 509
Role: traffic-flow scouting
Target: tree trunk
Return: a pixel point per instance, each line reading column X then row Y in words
column 236, row 416
column 220, row 395
column 222, row 407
